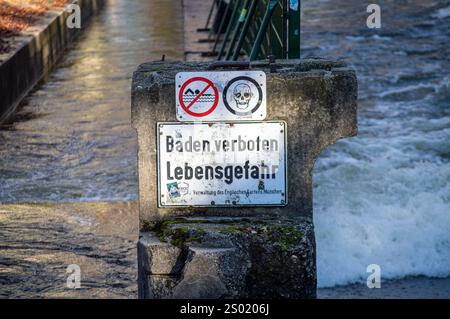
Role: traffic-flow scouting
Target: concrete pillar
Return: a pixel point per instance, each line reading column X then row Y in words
column 229, row 252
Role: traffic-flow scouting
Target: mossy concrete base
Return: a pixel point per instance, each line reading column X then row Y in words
column 228, row 258
column 271, row 254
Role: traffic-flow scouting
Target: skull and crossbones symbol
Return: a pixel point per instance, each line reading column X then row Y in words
column 242, row 94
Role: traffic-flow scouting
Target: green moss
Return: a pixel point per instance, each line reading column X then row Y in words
column 179, row 232
column 156, row 69
column 183, row 235
column 244, row 221
column 286, row 236
column 185, row 221
column 229, row 229
column 179, row 236
column 147, row 226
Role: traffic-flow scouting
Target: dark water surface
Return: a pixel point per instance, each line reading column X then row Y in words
column 79, row 144
column 38, row 242
column 74, row 143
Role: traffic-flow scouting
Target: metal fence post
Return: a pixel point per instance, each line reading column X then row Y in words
column 251, row 11
column 221, row 26
column 229, row 27
column 262, row 31
column 293, row 50
column 263, row 27
column 240, row 21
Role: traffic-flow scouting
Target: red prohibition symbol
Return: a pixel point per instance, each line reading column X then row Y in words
column 187, row 108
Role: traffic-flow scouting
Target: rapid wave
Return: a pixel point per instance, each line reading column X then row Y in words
column 380, row 208
column 384, row 197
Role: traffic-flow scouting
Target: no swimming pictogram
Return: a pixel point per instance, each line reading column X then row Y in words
column 221, row 96
column 198, row 96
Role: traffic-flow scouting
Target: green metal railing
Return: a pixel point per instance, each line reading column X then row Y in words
column 255, row 29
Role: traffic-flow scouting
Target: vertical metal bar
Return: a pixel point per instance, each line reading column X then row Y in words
column 251, row 11
column 275, row 31
column 294, row 30
column 251, row 36
column 229, row 27
column 284, row 29
column 237, row 28
column 263, row 28
column 265, row 49
column 221, row 26
column 212, row 27
column 210, row 14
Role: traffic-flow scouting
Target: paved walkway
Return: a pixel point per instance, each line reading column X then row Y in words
column 74, row 143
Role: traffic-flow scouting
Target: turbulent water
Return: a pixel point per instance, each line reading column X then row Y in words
column 382, row 197
column 75, row 141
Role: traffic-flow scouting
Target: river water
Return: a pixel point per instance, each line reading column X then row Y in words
column 380, row 198
column 78, row 144
column 73, row 142
column 384, row 197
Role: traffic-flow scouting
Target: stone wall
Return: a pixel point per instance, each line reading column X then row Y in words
column 240, row 252
column 228, row 258
column 23, row 68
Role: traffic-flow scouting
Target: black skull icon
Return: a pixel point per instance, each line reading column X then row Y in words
column 242, row 94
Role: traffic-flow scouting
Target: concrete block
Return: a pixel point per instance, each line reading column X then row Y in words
column 234, row 259
column 245, row 252
column 316, row 97
column 160, row 258
column 202, row 274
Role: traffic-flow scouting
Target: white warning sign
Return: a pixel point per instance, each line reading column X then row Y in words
column 221, row 96
column 222, row 164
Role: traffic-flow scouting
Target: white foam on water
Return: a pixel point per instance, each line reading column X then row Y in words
column 384, row 198
column 442, row 13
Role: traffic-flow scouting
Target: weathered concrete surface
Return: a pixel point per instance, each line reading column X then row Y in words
column 317, row 99
column 271, row 254
column 228, row 258
column 40, row 48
